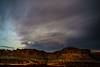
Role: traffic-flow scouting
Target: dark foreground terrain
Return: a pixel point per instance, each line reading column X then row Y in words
column 28, row 66
column 46, row 66
column 66, row 65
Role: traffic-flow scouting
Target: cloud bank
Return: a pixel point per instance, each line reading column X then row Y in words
column 54, row 24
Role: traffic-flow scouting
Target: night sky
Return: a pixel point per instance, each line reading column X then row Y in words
column 49, row 25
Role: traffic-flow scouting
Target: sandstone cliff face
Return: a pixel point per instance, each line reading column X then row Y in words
column 76, row 55
column 40, row 57
column 70, row 55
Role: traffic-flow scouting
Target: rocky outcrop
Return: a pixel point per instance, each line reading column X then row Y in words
column 61, row 57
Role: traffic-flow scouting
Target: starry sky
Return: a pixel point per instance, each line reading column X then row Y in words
column 49, row 25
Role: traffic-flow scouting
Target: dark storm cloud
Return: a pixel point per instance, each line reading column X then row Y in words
column 55, row 24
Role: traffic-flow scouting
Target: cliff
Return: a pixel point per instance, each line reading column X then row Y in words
column 33, row 56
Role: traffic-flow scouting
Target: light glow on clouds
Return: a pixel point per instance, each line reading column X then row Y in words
column 9, row 36
column 48, row 24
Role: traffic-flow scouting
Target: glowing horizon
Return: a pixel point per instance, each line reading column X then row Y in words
column 10, row 37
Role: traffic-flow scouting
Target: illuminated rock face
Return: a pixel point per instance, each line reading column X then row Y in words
column 71, row 55
column 67, row 55
column 77, row 55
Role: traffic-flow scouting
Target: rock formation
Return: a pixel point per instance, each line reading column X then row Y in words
column 33, row 56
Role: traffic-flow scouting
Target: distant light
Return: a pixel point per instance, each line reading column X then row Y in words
column 29, row 42
column 23, row 45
